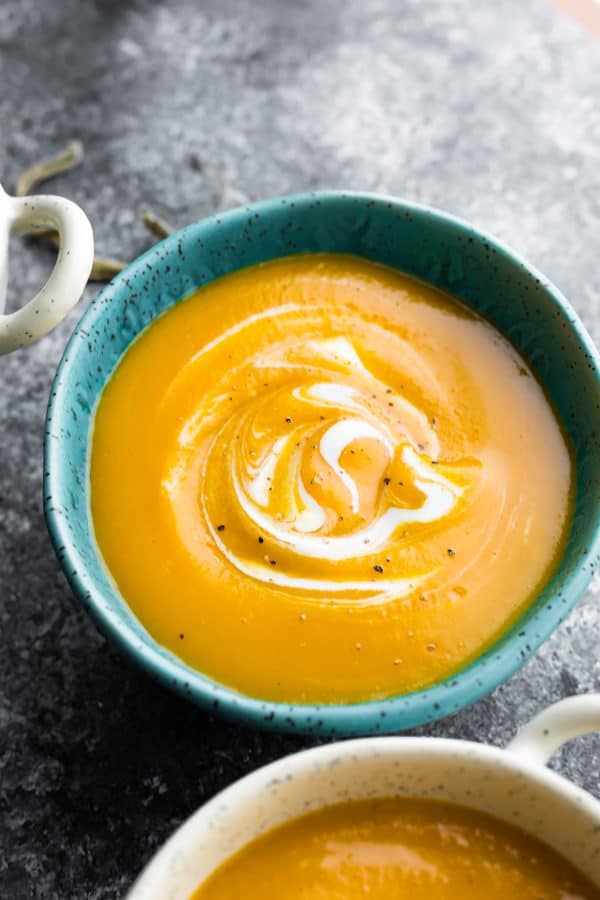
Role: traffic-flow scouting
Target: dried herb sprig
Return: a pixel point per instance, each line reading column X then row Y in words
column 103, row 268
column 156, row 225
column 64, row 161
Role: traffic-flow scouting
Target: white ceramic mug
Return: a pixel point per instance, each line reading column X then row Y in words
column 513, row 785
column 71, row 270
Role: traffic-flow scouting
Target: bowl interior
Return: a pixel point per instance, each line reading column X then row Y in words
column 438, row 249
column 489, row 780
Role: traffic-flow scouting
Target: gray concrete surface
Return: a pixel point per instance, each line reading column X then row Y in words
column 489, row 109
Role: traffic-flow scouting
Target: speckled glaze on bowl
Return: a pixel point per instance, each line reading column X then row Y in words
column 431, row 245
column 511, row 785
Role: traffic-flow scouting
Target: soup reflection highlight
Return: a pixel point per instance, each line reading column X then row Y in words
column 320, row 480
column 384, row 848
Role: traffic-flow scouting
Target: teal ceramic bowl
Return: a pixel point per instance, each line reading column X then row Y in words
column 431, row 245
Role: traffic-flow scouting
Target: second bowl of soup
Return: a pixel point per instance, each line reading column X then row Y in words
column 347, row 482
column 425, row 818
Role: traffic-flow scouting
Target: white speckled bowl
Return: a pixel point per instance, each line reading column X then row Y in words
column 511, row 784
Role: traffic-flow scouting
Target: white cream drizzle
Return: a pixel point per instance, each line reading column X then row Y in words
column 379, row 589
column 441, row 496
column 303, row 530
column 340, row 436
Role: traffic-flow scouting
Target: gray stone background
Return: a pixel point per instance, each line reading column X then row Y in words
column 488, row 109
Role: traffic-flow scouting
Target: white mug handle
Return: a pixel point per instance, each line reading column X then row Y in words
column 71, row 270
column 556, row 725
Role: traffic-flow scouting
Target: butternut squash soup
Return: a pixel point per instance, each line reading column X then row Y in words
column 422, row 849
column 319, row 480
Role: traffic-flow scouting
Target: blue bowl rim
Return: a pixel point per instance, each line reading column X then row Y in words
column 400, row 712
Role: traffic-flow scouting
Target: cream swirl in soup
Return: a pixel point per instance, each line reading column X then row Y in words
column 324, row 464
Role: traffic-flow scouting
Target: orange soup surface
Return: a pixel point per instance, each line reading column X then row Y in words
column 396, row 848
column 319, row 480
